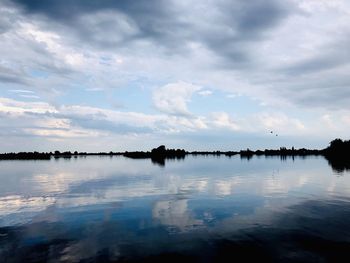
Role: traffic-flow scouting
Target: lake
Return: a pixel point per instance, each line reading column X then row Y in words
column 200, row 209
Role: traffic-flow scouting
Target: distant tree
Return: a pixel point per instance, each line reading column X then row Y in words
column 336, row 143
column 161, row 148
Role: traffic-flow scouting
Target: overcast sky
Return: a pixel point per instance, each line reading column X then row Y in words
column 92, row 75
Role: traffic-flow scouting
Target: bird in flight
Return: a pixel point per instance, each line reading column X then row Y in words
column 272, row 133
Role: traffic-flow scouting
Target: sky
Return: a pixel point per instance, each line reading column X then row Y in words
column 92, row 75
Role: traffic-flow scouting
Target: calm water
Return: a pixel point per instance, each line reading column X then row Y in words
column 100, row 209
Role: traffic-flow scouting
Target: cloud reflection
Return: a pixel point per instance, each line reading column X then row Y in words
column 175, row 213
column 97, row 182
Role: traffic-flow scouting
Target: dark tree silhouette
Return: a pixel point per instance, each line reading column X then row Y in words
column 337, row 154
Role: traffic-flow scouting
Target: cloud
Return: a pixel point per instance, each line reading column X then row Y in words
column 248, row 40
column 125, row 21
column 19, row 91
column 20, row 107
column 172, row 25
column 223, row 120
column 280, row 123
column 29, row 96
column 205, row 92
column 289, row 58
column 173, row 98
column 8, row 75
column 175, row 213
column 25, row 93
column 40, row 119
column 238, row 37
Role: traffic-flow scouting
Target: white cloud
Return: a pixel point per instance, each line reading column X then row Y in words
column 175, row 213
column 280, row 123
column 173, row 97
column 20, row 91
column 29, row 96
column 53, row 43
column 223, row 120
column 78, row 122
column 14, row 106
column 205, row 92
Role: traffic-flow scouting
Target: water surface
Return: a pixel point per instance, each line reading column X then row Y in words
column 101, row 209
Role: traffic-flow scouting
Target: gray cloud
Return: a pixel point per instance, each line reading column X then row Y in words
column 88, row 18
column 331, row 94
column 244, row 23
column 7, row 21
column 69, row 10
column 331, row 56
column 227, row 28
column 9, row 75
